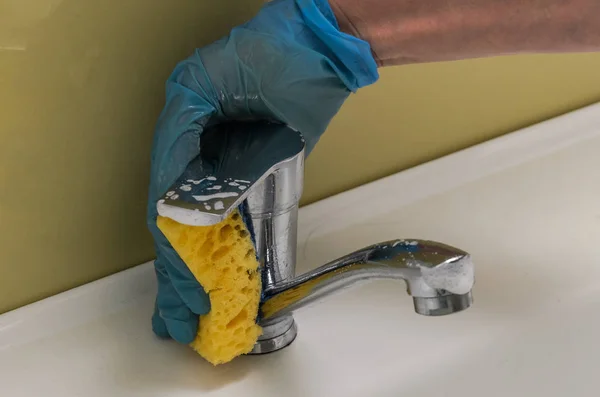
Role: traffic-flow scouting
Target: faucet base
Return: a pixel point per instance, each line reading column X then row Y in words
column 276, row 336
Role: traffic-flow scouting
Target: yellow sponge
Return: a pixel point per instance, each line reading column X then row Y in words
column 223, row 260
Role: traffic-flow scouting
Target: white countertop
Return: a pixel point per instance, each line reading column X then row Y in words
column 526, row 206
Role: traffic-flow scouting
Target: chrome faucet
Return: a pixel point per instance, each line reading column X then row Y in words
column 258, row 167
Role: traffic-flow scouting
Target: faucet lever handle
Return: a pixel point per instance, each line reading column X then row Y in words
column 234, row 161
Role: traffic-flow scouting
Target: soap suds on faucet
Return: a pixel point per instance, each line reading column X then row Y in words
column 181, row 215
column 215, row 196
column 456, row 277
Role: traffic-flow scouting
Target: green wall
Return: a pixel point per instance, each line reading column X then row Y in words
column 82, row 83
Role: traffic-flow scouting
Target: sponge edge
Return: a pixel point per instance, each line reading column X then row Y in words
column 223, row 260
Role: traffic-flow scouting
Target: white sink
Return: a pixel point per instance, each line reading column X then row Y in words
column 525, row 206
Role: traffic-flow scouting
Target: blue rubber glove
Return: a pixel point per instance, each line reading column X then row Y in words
column 290, row 64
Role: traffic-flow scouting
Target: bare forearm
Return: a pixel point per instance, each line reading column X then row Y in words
column 409, row 31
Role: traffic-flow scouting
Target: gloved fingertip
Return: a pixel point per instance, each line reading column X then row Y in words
column 159, row 327
column 198, row 301
column 188, row 288
column 183, row 331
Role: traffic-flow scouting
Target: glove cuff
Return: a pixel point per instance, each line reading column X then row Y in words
column 354, row 57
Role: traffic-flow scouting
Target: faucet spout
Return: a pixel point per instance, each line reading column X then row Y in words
column 438, row 277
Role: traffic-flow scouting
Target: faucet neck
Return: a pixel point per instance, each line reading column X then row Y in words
column 272, row 207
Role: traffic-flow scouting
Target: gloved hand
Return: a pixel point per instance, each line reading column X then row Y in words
column 289, row 64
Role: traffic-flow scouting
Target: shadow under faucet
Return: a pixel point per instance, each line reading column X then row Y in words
column 260, row 168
